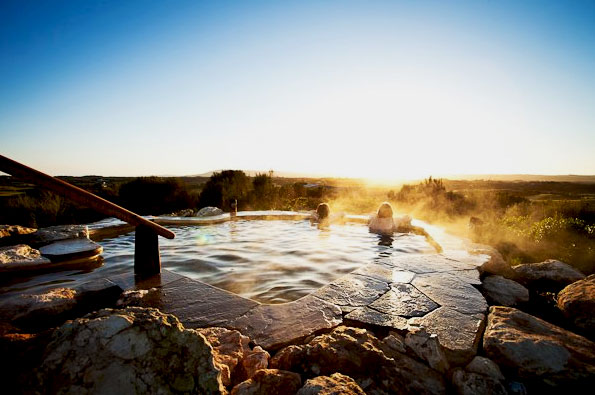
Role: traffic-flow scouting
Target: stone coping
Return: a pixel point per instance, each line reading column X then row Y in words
column 112, row 227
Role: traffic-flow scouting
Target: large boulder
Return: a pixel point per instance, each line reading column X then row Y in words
column 504, row 292
column 375, row 366
column 537, row 351
column 548, row 274
column 269, row 381
column 335, row 384
column 134, row 350
column 577, row 303
column 232, row 352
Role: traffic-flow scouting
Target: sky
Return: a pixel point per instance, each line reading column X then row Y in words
column 377, row 89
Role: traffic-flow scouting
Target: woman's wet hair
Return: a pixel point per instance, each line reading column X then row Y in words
column 385, row 210
column 323, row 210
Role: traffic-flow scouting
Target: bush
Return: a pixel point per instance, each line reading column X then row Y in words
column 155, row 195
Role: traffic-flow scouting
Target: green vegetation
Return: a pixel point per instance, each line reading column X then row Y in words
column 510, row 217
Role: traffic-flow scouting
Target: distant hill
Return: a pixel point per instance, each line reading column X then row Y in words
column 590, row 179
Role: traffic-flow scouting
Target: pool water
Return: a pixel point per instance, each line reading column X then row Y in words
column 267, row 261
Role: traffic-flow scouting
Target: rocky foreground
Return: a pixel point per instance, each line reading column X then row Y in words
column 98, row 338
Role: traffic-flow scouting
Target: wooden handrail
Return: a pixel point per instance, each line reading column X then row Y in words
column 79, row 195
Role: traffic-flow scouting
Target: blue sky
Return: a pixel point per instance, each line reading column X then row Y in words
column 350, row 88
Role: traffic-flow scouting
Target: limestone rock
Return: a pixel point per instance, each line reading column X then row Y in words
column 458, row 333
column 577, row 302
column 395, row 343
column 59, row 304
column 21, row 257
column 536, row 350
column 467, row 383
column 232, row 353
column 274, row 326
column 134, row 350
column 12, row 234
column 358, row 354
column 335, row 384
column 51, row 305
column 504, row 292
column 52, row 234
column 427, row 347
column 550, row 273
column 485, row 367
column 209, row 212
column 133, row 297
column 269, row 381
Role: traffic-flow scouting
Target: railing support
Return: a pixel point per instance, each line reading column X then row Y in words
column 147, row 261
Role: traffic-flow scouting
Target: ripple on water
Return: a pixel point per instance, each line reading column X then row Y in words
column 268, row 261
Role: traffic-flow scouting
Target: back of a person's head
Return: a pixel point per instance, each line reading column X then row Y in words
column 323, row 210
column 385, row 210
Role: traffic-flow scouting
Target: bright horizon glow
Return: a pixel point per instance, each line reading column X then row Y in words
column 377, row 90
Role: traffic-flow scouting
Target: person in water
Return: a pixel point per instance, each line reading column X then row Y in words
column 322, row 214
column 385, row 224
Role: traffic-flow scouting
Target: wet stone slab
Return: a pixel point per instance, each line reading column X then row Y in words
column 352, row 291
column 427, row 263
column 385, row 273
column 370, row 316
column 448, row 290
column 197, row 304
column 458, row 333
column 277, row 325
column 404, row 300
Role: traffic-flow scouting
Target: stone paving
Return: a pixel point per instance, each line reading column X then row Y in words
column 433, row 291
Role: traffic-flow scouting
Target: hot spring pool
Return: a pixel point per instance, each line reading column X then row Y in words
column 270, row 261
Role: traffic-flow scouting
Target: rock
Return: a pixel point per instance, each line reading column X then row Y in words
column 467, row 383
column 71, row 250
column 354, row 352
column 46, row 308
column 536, row 350
column 188, row 212
column 485, row 367
column 209, row 212
column 335, row 384
column 449, row 291
column 352, row 291
column 134, row 350
column 577, row 303
column 21, row 257
column 269, row 381
column 133, row 297
column 495, row 264
column 12, row 234
column 59, row 304
column 385, row 273
column 274, row 326
column 394, row 342
column 52, row 234
column 504, row 292
column 232, row 353
column 550, row 273
column 460, row 344
column 404, row 300
column 427, row 347
column 369, row 316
